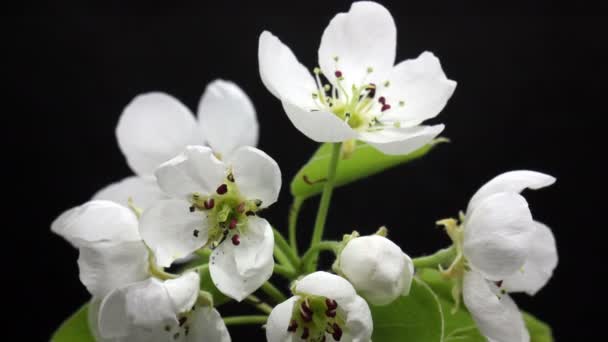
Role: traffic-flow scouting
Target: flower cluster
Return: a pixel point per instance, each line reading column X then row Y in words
column 161, row 250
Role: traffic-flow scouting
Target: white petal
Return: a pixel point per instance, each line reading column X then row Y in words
column 363, row 37
column 392, row 140
column 235, row 275
column 318, row 125
column 142, row 191
column 168, row 228
column 227, row 117
column 359, row 323
column 512, row 181
column 207, row 325
column 256, row 174
column 93, row 318
column 278, row 321
column 195, row 170
column 183, row 291
column 97, row 221
column 422, row 86
column 105, row 266
column 327, row 285
column 497, row 318
column 539, row 265
column 497, row 235
column 153, row 128
column 285, row 77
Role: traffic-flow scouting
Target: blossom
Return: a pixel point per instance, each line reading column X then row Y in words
column 214, row 204
column 368, row 98
column 154, row 127
column 377, row 268
column 325, row 307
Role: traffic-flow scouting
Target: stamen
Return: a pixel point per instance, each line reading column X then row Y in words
column 337, row 334
column 385, row 107
column 233, row 223
column 498, row 283
column 305, row 334
column 209, row 204
column 192, row 208
column 382, row 100
column 195, row 232
column 293, row 326
column 222, row 189
column 331, row 304
column 240, row 208
column 230, row 177
column 236, row 240
column 338, row 74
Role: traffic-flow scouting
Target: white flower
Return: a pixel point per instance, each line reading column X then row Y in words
column 155, row 127
column 325, row 307
column 377, row 268
column 214, row 204
column 370, row 98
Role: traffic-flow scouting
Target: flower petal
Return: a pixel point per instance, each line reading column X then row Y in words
column 359, row 323
column 93, row 318
column 364, row 37
column 256, row 174
column 172, row 231
column 142, row 191
column 207, row 325
column 227, row 117
column 196, row 170
column 422, row 86
column 539, row 265
column 512, row 181
column 105, row 266
column 318, row 125
column 153, row 128
column 393, row 140
column 281, row 72
column 497, row 235
column 183, row 291
column 327, row 285
column 97, row 221
column 278, row 321
column 497, row 317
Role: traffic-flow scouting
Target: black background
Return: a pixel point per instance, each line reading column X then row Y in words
column 531, row 94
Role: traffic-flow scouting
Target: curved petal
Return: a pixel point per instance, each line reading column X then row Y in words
column 183, row 291
column 278, row 321
column 256, row 174
column 364, row 37
column 142, row 191
column 196, row 170
column 392, row 140
column 93, row 318
column 153, row 128
column 105, row 266
column 497, row 316
column 497, row 235
column 327, row 285
column 539, row 265
column 97, row 221
column 172, row 231
column 359, row 323
column 233, row 273
column 207, row 325
column 227, row 118
column 512, row 181
column 319, row 125
column 422, row 86
column 281, row 72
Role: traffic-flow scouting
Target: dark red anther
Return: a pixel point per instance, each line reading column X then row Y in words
column 337, row 334
column 293, row 326
column 222, row 189
column 331, row 304
column 306, row 307
column 233, row 223
column 330, row 313
column 236, row 240
column 305, row 334
column 209, row 204
column 382, row 100
column 182, row 320
column 498, row 283
column 338, row 73
column 240, row 208
column 385, row 107
column 305, row 312
column 192, row 208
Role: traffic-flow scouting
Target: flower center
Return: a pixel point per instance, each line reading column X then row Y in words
column 314, row 316
column 226, row 211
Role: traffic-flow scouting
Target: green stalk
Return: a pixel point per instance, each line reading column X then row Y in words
column 293, row 222
column 443, row 257
column 286, row 272
column 314, row 251
column 258, row 304
column 241, row 320
column 273, row 292
column 294, row 260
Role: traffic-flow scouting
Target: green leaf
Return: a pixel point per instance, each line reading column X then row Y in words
column 75, row 328
column 460, row 327
column 416, row 317
column 365, row 161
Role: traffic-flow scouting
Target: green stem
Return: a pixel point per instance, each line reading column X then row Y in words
column 241, row 320
column 156, row 270
column 294, row 260
column 328, row 188
column 258, row 304
column 286, row 272
column 282, row 257
column 314, row 251
column 273, row 292
column 443, row 257
column 293, row 222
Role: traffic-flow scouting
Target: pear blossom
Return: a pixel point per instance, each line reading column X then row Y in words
column 154, row 127
column 377, row 268
column 325, row 307
column 368, row 97
column 214, row 204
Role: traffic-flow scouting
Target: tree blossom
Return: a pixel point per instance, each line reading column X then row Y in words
column 214, row 204
column 368, row 98
column 154, row 127
column 325, row 307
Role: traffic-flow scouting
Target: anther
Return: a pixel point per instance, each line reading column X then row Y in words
column 337, row 334
column 305, row 334
column 293, row 326
column 195, row 232
column 236, row 240
column 192, row 208
column 230, row 177
column 182, row 321
column 258, row 203
column 382, row 100
column 338, row 74
column 222, row 189
column 233, row 223
column 331, row 304
column 385, row 107
column 240, row 208
column 305, row 312
column 209, row 204
column 498, row 283
column 250, row 213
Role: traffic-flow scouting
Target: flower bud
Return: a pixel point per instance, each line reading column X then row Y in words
column 377, row 268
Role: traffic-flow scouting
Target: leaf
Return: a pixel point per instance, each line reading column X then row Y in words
column 417, row 317
column 460, row 327
column 75, row 328
column 365, row 161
